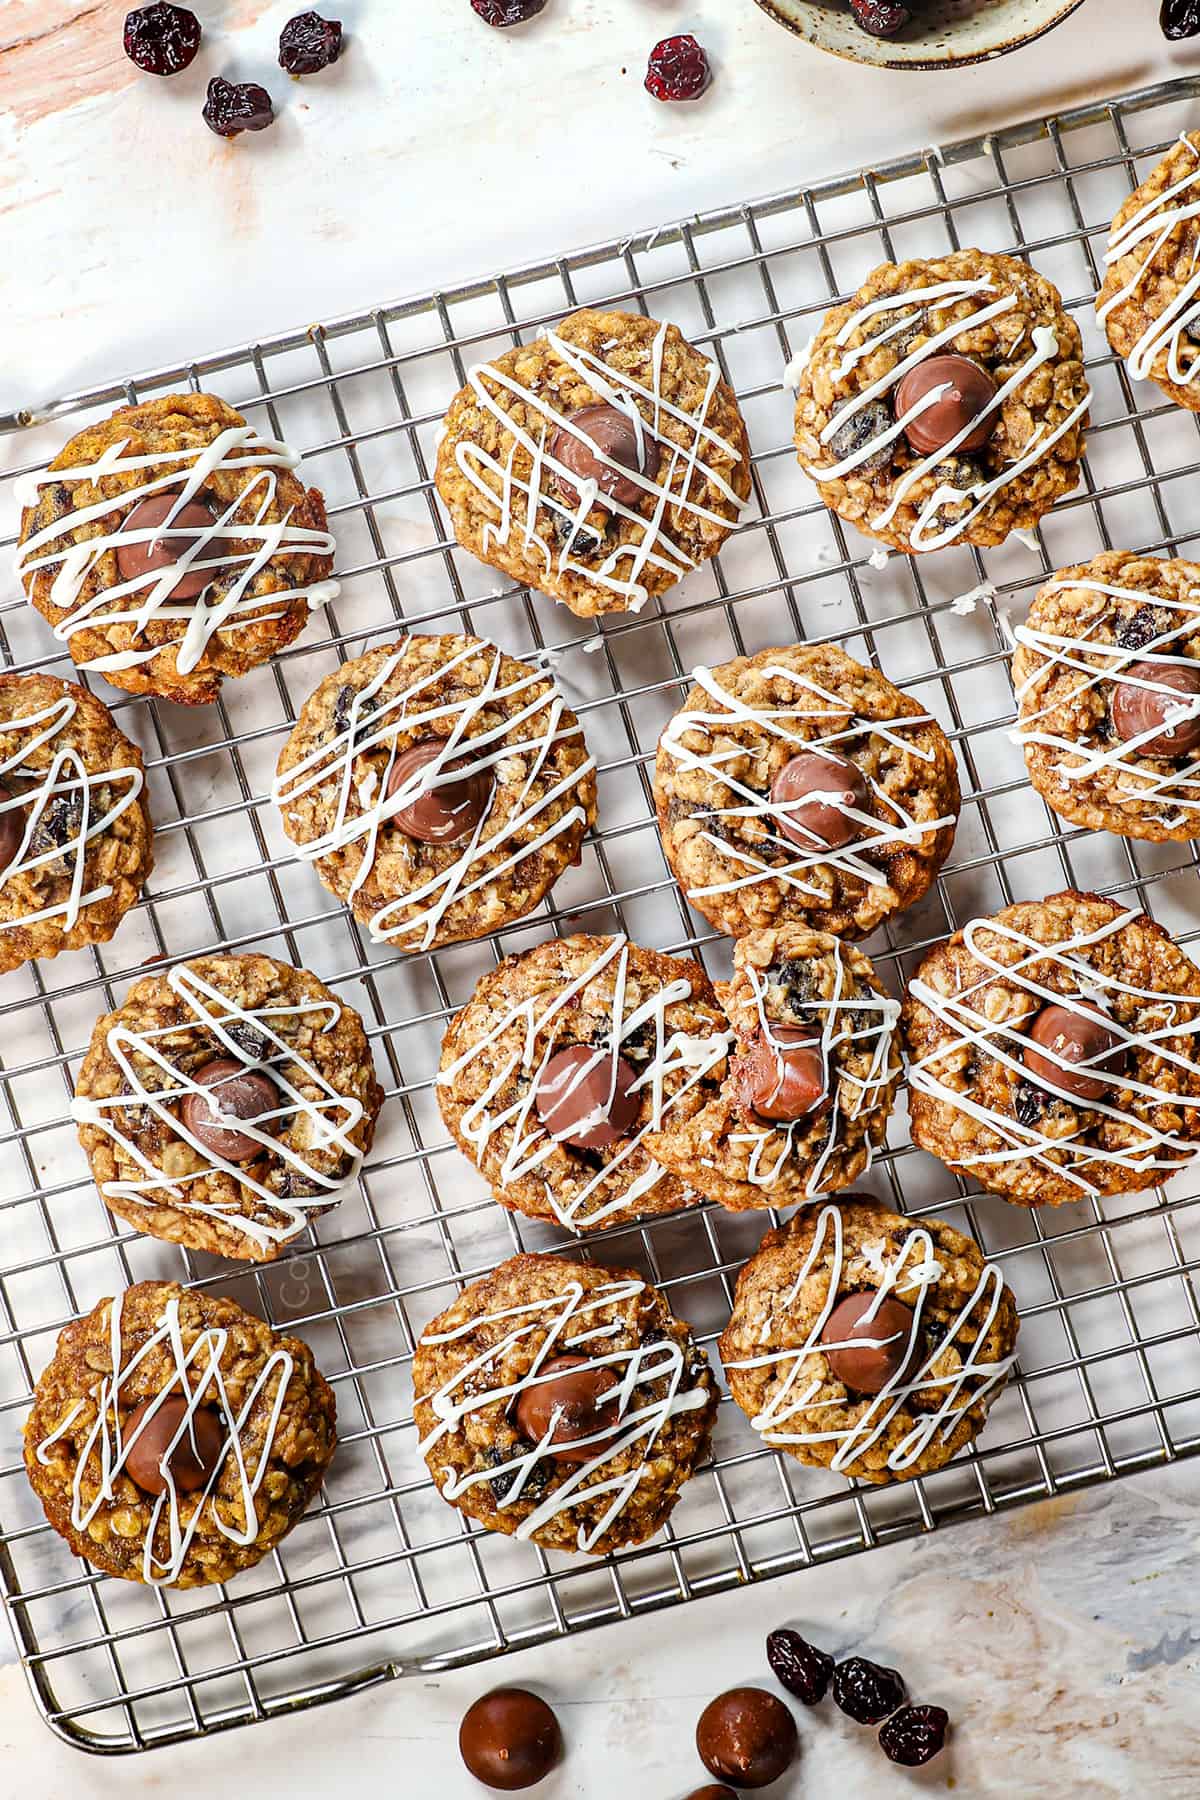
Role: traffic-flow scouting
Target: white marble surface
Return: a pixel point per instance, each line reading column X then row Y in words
column 1062, row 1639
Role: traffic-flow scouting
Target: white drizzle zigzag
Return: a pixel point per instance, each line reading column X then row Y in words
column 1175, row 788
column 66, row 776
column 1152, row 1148
column 561, row 1319
column 851, row 859
column 529, row 1144
column 1153, row 225
column 908, row 1274
column 359, row 817
column 198, row 1380
column 331, row 1118
column 655, row 547
column 186, row 474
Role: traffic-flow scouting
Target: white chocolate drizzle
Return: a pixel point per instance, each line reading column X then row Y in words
column 528, row 1145
column 1071, row 1156
column 564, row 1323
column 908, row 1275
column 1150, row 228
column 622, row 571
column 328, row 1119
column 1044, row 347
column 516, row 751
column 722, row 725
column 147, row 599
column 93, row 803
column 198, row 1380
column 1172, row 783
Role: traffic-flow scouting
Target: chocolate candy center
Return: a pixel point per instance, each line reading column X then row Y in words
column 746, row 1736
column 613, row 433
column 784, row 1078
column 509, row 1739
column 12, row 829
column 152, row 554
column 585, row 1100
column 1139, row 709
column 441, row 814
column 871, row 1350
column 236, row 1092
column 577, row 1397
column 811, row 797
column 969, row 389
column 192, row 1460
column 1078, row 1033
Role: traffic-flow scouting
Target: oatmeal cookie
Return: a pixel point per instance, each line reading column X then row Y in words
column 171, row 545
column 1149, row 304
column 563, row 1063
column 868, row 1343
column 227, row 1104
column 1052, row 1051
column 439, row 787
column 806, row 1099
column 562, row 1403
column 195, row 1455
column 1107, row 677
column 76, row 841
column 945, row 403
column 598, row 464
column 798, row 787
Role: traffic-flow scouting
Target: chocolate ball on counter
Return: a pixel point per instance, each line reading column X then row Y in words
column 151, row 555
column 1136, row 710
column 747, row 1737
column 438, row 815
column 783, row 1078
column 1079, row 1032
column 812, row 793
column 237, row 1093
column 969, row 390
column 194, row 1458
column 613, row 433
column 583, row 1100
column 870, row 1350
column 580, row 1400
column 509, row 1739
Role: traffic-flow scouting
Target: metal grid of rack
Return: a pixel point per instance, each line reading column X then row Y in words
column 381, row 1579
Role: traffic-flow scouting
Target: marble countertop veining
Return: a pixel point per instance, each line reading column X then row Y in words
column 1063, row 1639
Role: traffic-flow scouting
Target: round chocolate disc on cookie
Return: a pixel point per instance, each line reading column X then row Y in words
column 196, row 1453
column 441, row 814
column 783, row 1078
column 1136, row 710
column 151, row 555
column 812, row 796
column 870, row 1350
column 12, row 829
column 509, row 1739
column 572, row 1398
column 238, row 1093
column 746, row 1736
column 584, row 1100
column 969, row 391
column 613, row 433
column 1078, row 1033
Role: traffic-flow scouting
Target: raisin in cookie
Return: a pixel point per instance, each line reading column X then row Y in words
column 564, row 1063
column 598, row 464
column 562, row 1403
column 1052, row 1051
column 1149, row 304
column 945, row 403
column 171, row 545
column 439, row 787
column 806, row 1099
column 1107, row 677
column 867, row 1343
column 76, row 841
column 195, row 1454
column 797, row 786
column 227, row 1104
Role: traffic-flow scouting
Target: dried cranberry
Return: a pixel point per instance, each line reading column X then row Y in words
column 1180, row 18
column 866, row 1691
column 161, row 39
column 678, row 69
column 882, row 18
column 234, row 106
column 507, row 12
column 308, row 43
column 915, row 1735
column 803, row 1669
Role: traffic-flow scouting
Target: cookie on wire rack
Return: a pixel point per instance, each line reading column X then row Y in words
column 1149, row 304
column 598, row 464
column 946, row 403
column 176, row 1439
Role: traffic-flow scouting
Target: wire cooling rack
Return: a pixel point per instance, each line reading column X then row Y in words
column 381, row 1579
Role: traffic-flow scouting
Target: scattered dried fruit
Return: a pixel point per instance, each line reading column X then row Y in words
column 678, row 69
column 1180, row 18
column 507, row 12
column 866, row 1691
column 161, row 39
column 236, row 106
column 803, row 1669
column 882, row 18
column 915, row 1735
column 308, row 43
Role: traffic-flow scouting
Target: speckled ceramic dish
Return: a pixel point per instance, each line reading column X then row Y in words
column 944, row 33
